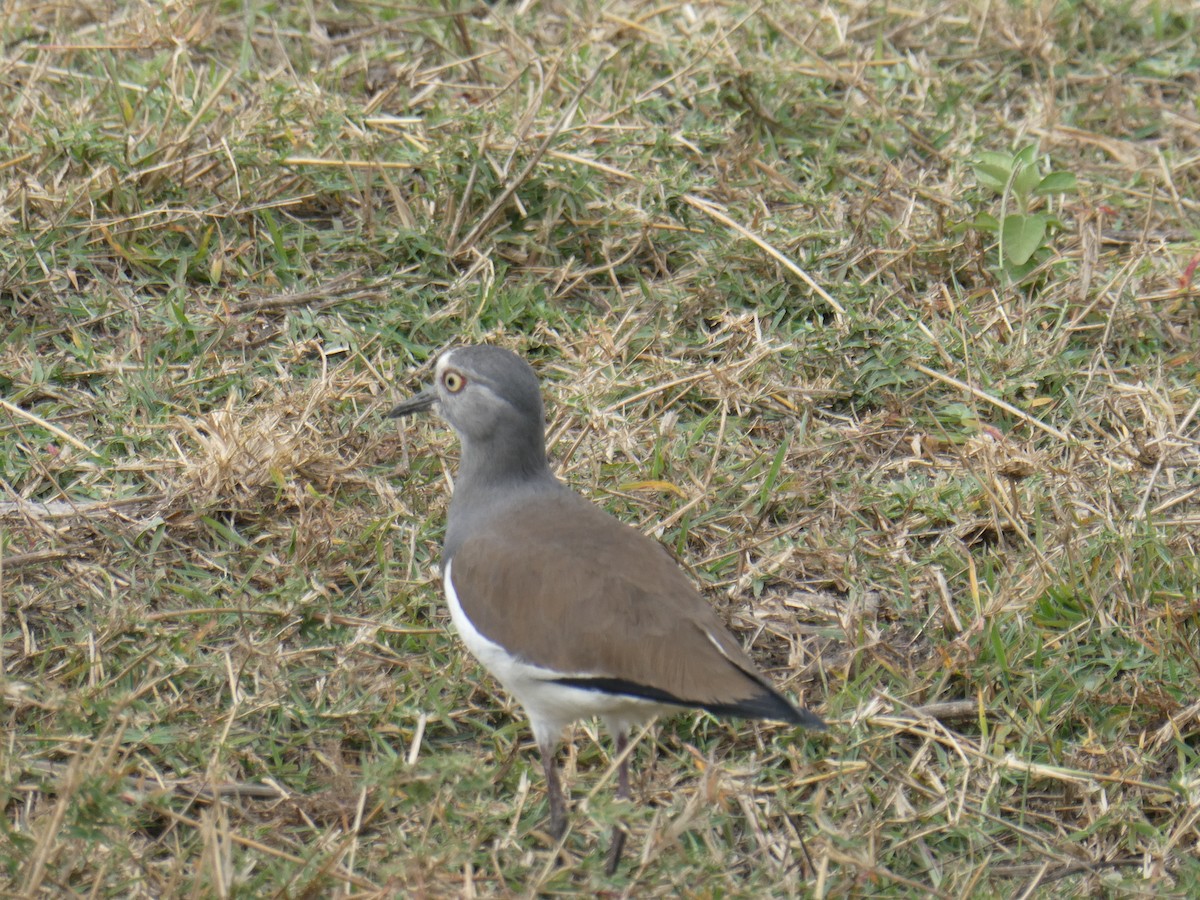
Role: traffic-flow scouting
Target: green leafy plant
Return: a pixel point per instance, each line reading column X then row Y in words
column 1023, row 231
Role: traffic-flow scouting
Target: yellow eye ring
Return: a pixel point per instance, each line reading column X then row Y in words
column 454, row 381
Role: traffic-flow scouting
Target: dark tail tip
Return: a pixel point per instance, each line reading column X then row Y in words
column 772, row 706
column 807, row 719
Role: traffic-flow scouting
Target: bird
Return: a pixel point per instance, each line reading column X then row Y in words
column 575, row 613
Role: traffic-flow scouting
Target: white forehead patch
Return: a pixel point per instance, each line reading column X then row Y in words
column 440, row 366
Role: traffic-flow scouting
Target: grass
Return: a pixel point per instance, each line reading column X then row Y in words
column 950, row 504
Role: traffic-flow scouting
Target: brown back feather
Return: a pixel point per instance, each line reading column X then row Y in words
column 587, row 595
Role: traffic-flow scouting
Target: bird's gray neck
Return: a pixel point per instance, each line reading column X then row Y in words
column 491, row 481
column 516, row 459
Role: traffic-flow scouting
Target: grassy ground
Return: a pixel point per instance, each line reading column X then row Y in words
column 920, row 417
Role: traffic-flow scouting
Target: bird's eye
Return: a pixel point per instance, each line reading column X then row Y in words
column 454, row 381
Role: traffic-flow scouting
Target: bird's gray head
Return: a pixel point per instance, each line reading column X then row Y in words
column 490, row 397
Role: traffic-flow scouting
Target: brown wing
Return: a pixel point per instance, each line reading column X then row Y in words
column 606, row 606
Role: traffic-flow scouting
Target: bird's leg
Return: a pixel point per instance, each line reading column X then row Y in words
column 554, row 794
column 623, row 793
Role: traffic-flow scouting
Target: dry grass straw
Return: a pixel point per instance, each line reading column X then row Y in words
column 956, row 514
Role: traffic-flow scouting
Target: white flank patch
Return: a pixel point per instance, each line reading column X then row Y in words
column 549, row 705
